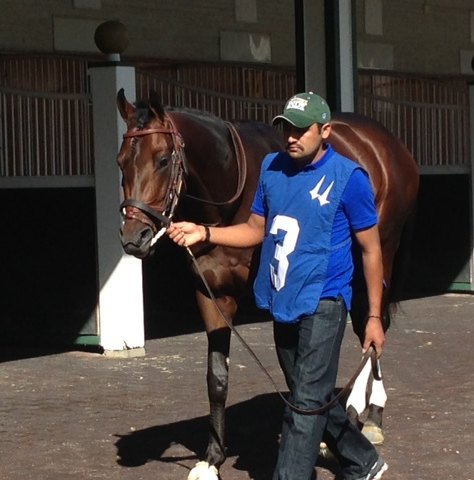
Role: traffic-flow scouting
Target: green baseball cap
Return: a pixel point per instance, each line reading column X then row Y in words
column 304, row 109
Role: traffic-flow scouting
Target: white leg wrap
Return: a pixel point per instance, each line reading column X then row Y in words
column 358, row 396
column 203, row 471
column 378, row 396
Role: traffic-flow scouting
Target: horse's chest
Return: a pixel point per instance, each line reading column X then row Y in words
column 226, row 267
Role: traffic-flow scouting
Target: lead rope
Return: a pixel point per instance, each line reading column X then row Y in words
column 369, row 354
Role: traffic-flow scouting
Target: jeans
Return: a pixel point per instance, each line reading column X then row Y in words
column 308, row 352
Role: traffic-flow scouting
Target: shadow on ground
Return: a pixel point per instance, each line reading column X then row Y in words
column 252, row 429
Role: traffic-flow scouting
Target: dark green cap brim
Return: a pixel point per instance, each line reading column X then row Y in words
column 297, row 119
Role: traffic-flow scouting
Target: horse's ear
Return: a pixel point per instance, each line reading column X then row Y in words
column 155, row 105
column 125, row 108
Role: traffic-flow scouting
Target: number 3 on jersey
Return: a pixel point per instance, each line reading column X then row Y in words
column 283, row 248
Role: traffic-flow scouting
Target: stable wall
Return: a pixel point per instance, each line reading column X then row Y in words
column 166, row 29
column 420, row 36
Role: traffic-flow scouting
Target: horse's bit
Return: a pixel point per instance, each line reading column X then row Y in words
column 175, row 183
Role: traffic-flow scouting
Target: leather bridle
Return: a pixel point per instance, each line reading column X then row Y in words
column 177, row 179
column 175, row 184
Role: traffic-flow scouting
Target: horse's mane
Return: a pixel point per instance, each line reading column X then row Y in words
column 193, row 111
column 144, row 114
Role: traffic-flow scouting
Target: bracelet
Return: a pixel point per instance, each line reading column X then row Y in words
column 207, row 236
column 374, row 316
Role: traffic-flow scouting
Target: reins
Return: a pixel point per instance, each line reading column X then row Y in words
column 369, row 354
column 241, row 167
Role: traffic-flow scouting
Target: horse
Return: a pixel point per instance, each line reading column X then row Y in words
column 192, row 165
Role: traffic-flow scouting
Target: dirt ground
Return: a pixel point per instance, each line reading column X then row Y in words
column 77, row 415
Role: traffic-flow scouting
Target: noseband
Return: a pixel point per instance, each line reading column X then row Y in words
column 175, row 184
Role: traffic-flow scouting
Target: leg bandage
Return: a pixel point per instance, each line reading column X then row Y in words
column 358, row 396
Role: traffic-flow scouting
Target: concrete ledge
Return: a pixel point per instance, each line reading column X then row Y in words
column 130, row 353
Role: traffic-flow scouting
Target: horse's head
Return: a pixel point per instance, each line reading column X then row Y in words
column 151, row 159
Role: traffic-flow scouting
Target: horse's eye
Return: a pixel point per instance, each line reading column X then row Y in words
column 163, row 162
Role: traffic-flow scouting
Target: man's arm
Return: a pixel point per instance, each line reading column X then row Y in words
column 369, row 242
column 247, row 234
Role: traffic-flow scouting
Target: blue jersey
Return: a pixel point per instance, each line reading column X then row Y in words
column 310, row 214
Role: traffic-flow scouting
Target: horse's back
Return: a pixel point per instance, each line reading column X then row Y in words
column 391, row 167
column 258, row 140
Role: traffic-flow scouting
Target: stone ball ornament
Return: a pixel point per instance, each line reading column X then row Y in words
column 111, row 37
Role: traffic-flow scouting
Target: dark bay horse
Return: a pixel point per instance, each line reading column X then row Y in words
column 192, row 165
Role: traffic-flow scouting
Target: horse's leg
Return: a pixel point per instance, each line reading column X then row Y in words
column 357, row 401
column 218, row 334
column 372, row 428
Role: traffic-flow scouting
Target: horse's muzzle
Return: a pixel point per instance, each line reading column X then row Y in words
column 136, row 238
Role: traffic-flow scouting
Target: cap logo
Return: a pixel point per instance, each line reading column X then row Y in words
column 297, row 104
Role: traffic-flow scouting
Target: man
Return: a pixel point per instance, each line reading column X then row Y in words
column 309, row 205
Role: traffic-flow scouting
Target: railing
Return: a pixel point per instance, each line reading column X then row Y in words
column 228, row 107
column 430, row 116
column 45, row 134
column 245, row 81
column 46, row 124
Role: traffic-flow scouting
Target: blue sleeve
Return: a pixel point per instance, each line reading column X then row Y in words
column 358, row 201
column 259, row 205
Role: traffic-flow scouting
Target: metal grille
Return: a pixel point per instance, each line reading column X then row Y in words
column 255, row 83
column 430, row 116
column 45, row 134
column 46, row 114
column 228, row 107
column 43, row 73
column 45, row 117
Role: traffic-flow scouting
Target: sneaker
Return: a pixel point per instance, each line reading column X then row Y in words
column 377, row 470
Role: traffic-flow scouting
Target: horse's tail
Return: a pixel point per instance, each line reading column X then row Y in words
column 395, row 292
column 401, row 268
column 401, row 264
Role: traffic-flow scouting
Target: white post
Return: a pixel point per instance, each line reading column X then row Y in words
column 120, row 305
column 471, row 136
column 346, row 55
column 315, row 50
column 315, row 46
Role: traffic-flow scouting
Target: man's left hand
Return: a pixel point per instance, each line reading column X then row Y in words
column 374, row 335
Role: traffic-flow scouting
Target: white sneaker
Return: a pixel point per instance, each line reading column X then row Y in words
column 377, row 470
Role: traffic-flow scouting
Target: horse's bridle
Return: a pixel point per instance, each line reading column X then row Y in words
column 176, row 182
column 175, row 185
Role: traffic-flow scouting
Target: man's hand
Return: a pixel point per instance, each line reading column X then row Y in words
column 186, row 234
column 374, row 335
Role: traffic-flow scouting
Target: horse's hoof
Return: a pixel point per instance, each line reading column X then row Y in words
column 324, row 452
column 373, row 433
column 203, row 471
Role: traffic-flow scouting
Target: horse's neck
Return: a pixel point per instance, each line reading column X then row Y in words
column 211, row 168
